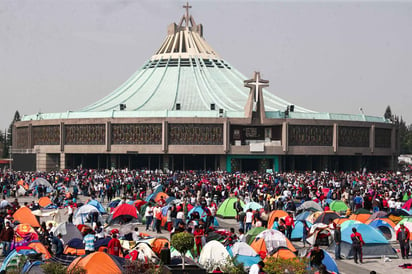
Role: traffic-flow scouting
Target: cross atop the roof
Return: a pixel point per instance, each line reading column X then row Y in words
column 187, row 7
column 256, row 84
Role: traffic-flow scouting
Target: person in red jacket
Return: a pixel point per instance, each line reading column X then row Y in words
column 357, row 243
column 114, row 246
column 290, row 224
column 402, row 235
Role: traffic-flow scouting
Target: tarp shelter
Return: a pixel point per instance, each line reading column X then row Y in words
column 319, row 234
column 252, row 205
column 375, row 243
column 329, row 262
column 68, row 230
column 338, row 206
column 310, row 205
column 25, row 216
column 385, row 228
column 274, row 214
column 244, row 254
column 40, row 248
column 97, row 205
column 226, row 209
column 44, row 201
column 325, row 217
column 213, row 253
column 123, row 213
column 98, row 263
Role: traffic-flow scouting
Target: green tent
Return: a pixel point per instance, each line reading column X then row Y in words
column 251, row 234
column 226, row 209
column 338, row 206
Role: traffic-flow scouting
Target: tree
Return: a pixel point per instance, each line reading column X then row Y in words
column 9, row 136
column 183, row 242
column 388, row 113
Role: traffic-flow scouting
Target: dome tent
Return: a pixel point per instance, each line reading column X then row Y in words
column 226, row 209
column 213, row 253
column 375, row 245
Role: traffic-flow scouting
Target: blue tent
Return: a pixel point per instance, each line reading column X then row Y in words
column 243, row 254
column 385, row 228
column 375, row 246
column 297, row 232
column 97, row 205
column 302, row 216
column 329, row 262
column 202, row 214
column 13, row 254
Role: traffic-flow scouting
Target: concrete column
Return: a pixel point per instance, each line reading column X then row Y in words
column 226, row 135
column 30, row 136
column 41, row 161
column 62, row 161
column 394, row 149
column 165, row 141
column 372, row 138
column 108, row 136
column 165, row 162
column 62, row 137
column 335, row 137
column 285, row 136
column 222, row 162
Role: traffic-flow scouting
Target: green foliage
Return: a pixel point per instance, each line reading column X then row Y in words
column 279, row 265
column 183, row 242
column 132, row 267
column 230, row 266
column 56, row 268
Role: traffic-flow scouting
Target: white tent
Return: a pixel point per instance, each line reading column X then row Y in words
column 273, row 239
column 243, row 249
column 81, row 214
column 41, row 181
column 213, row 254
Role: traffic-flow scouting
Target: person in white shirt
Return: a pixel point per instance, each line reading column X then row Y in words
column 257, row 268
column 248, row 220
column 149, row 216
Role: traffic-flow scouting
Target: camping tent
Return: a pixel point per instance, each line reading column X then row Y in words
column 385, row 228
column 251, row 234
column 252, row 205
column 284, row 253
column 244, row 254
column 338, row 206
column 274, row 214
column 98, row 263
column 68, row 230
column 325, row 217
column 226, row 209
column 272, row 239
column 310, row 205
column 320, row 234
column 41, row 181
column 13, row 256
column 44, row 201
column 375, row 243
column 82, row 213
column 329, row 262
column 25, row 216
column 97, row 205
column 213, row 253
column 297, row 232
column 123, row 213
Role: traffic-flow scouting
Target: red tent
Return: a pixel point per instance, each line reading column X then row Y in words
column 124, row 209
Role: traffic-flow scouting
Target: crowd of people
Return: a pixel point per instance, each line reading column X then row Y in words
column 377, row 191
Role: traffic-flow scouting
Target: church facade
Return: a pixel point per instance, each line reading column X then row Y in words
column 187, row 108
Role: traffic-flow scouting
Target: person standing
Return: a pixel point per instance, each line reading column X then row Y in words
column 316, row 256
column 149, row 216
column 6, row 237
column 238, row 207
column 290, row 224
column 114, row 246
column 248, row 220
column 88, row 241
column 337, row 237
column 402, row 235
column 158, row 218
column 357, row 243
column 165, row 254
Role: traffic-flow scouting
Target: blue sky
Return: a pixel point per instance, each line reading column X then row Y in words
column 328, row 56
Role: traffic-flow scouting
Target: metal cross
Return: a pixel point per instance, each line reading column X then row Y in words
column 256, row 84
column 187, row 7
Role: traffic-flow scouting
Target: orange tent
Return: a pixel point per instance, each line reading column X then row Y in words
column 259, row 245
column 340, row 221
column 159, row 195
column 274, row 214
column 362, row 217
column 24, row 215
column 283, row 253
column 44, row 201
column 97, row 263
column 40, row 248
column 158, row 244
column 23, row 184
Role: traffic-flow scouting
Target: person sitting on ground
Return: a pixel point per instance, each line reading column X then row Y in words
column 316, row 257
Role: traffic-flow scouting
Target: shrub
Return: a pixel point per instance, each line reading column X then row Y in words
column 279, row 265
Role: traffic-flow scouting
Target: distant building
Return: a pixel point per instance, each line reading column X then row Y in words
column 188, row 108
